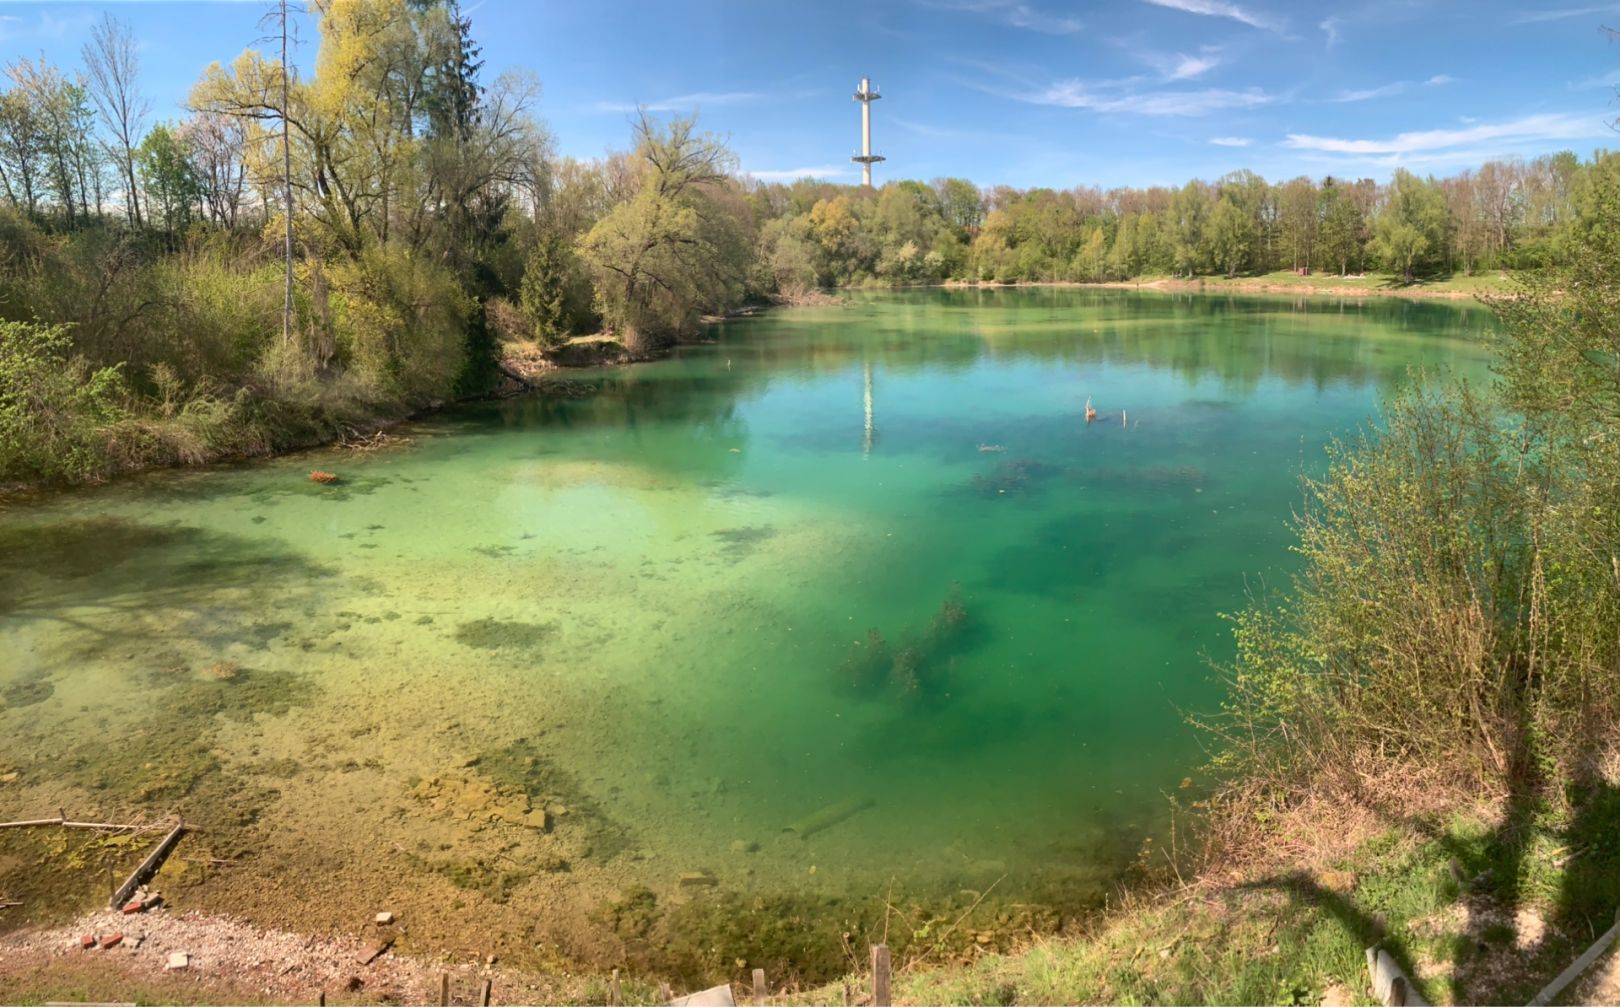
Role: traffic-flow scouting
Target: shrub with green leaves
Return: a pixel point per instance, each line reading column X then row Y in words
column 53, row 406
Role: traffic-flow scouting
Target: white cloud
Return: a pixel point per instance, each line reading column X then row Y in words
column 47, row 25
column 1439, row 80
column 1533, row 17
column 1188, row 67
column 788, row 174
column 1404, row 146
column 1218, row 8
column 1011, row 12
column 1230, row 141
column 1610, row 79
column 1367, row 94
column 1331, row 26
column 684, row 102
column 1079, row 94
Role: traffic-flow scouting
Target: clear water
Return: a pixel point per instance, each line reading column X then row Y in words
column 658, row 597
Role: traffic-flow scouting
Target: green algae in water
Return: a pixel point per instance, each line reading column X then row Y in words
column 692, row 694
column 504, row 634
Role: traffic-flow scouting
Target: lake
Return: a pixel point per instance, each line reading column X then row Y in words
column 852, row 604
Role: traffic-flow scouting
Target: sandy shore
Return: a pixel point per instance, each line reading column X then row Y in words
column 229, row 961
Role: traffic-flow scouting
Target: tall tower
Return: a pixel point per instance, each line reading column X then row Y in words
column 866, row 96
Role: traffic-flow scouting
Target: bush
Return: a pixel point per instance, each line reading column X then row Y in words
column 400, row 323
column 52, row 406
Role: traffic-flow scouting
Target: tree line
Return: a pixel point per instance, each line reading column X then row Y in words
column 427, row 220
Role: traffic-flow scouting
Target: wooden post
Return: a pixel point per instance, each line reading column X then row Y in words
column 444, row 989
column 614, row 996
column 321, row 1000
column 665, row 993
column 759, row 987
column 849, row 995
column 483, row 995
column 880, row 976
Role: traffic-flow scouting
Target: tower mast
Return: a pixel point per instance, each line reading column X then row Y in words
column 866, row 96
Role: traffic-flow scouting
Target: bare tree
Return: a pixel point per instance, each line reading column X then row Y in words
column 113, row 83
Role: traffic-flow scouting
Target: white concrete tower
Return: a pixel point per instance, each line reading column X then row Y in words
column 866, row 96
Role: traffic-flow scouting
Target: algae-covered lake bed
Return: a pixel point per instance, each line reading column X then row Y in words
column 847, row 620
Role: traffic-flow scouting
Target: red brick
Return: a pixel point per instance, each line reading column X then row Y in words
column 111, row 940
column 131, row 907
column 87, row 941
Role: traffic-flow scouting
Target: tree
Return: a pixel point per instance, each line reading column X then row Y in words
column 1410, row 232
column 547, row 276
column 22, row 149
column 49, row 120
column 1298, row 221
column 961, row 203
column 167, row 178
column 1340, row 238
column 1230, row 235
column 671, row 250
column 1189, row 212
column 113, row 86
column 214, row 143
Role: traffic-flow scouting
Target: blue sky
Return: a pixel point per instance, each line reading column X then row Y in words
column 1128, row 92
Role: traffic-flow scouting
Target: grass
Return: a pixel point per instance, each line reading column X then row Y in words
column 1293, row 929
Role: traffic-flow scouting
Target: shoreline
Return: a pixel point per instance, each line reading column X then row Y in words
column 1209, row 285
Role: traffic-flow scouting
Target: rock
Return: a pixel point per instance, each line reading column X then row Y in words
column 178, row 960
column 489, row 960
column 537, row 819
column 152, row 901
column 744, row 846
column 87, row 941
column 383, row 919
column 692, row 879
column 111, row 941
column 10, row 777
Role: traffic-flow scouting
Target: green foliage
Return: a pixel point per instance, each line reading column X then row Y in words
column 1410, row 233
column 1461, row 583
column 674, row 249
column 551, row 291
column 171, row 184
column 52, row 406
column 400, row 324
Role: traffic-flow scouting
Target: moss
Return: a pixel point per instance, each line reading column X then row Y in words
column 499, row 634
column 27, row 691
column 737, row 544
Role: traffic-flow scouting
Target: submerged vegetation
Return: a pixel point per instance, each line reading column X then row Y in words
column 919, row 667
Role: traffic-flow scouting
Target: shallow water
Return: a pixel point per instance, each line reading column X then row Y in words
column 870, row 556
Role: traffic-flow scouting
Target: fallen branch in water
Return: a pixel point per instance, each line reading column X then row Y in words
column 61, row 821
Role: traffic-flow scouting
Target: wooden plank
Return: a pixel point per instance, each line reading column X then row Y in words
column 150, row 865
column 1578, row 966
column 880, row 976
